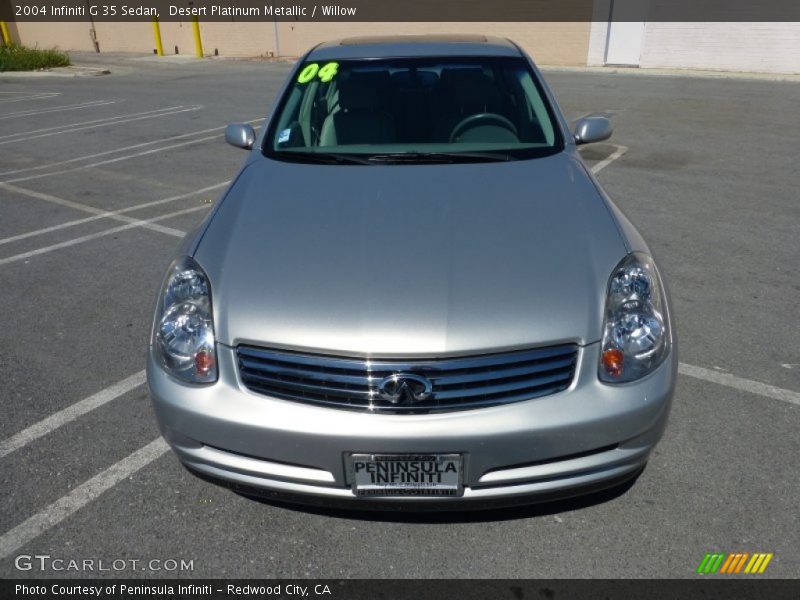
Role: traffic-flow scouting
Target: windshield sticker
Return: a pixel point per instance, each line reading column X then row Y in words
column 284, row 135
column 326, row 73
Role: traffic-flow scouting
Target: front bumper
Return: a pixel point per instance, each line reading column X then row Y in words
column 587, row 437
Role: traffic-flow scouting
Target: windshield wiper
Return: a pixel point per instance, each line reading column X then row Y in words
column 327, row 158
column 337, row 158
column 440, row 157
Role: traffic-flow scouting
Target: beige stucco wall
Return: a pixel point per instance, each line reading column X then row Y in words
column 125, row 37
column 549, row 43
column 239, row 39
column 67, row 36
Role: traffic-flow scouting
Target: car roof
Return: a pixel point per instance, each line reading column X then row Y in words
column 414, row 45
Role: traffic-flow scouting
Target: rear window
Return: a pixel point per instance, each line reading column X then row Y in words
column 472, row 106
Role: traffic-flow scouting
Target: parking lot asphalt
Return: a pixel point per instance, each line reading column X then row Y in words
column 101, row 176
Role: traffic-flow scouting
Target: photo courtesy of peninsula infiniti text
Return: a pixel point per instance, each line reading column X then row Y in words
column 414, row 294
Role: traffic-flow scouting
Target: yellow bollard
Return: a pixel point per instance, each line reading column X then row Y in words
column 6, row 34
column 157, row 35
column 198, row 43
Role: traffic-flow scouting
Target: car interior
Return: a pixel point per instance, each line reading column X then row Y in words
column 440, row 104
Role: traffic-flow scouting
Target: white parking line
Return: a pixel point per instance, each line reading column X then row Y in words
column 112, row 160
column 30, row 113
column 105, row 232
column 93, row 121
column 72, row 412
column 69, row 504
column 111, row 214
column 104, row 123
column 610, row 159
column 740, row 383
column 28, row 96
column 115, row 151
column 86, row 208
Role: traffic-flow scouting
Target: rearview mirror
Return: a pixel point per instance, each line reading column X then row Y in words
column 240, row 135
column 592, row 129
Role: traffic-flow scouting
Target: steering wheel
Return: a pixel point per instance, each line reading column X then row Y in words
column 490, row 118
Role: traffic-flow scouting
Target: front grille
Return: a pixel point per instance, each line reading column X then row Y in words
column 456, row 383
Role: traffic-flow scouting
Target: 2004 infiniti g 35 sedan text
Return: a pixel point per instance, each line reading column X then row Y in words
column 414, row 294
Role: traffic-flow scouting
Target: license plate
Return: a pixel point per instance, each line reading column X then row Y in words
column 423, row 475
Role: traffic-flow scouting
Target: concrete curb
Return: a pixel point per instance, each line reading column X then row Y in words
column 71, row 71
column 122, row 61
column 693, row 73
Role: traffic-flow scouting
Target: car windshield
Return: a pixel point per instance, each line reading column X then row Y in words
column 444, row 109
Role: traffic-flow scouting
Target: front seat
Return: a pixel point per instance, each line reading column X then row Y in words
column 359, row 119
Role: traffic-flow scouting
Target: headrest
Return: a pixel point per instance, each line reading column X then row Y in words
column 357, row 95
column 380, row 79
column 407, row 79
column 460, row 76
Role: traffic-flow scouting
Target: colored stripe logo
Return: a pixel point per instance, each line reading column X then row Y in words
column 734, row 563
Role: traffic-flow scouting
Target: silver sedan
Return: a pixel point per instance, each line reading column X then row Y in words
column 414, row 294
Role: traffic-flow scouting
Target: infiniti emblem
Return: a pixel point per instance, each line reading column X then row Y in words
column 404, row 388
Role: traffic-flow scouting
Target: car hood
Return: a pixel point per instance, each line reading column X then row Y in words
column 421, row 260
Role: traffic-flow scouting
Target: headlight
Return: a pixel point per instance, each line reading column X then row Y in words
column 183, row 333
column 635, row 330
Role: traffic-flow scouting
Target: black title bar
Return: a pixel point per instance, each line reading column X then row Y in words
column 402, row 10
column 708, row 588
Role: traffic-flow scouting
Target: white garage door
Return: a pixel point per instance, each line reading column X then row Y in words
column 758, row 47
column 625, row 33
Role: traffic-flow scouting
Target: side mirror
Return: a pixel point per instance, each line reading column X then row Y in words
column 240, row 135
column 592, row 129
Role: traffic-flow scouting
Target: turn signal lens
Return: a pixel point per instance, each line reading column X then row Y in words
column 613, row 361
column 203, row 362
